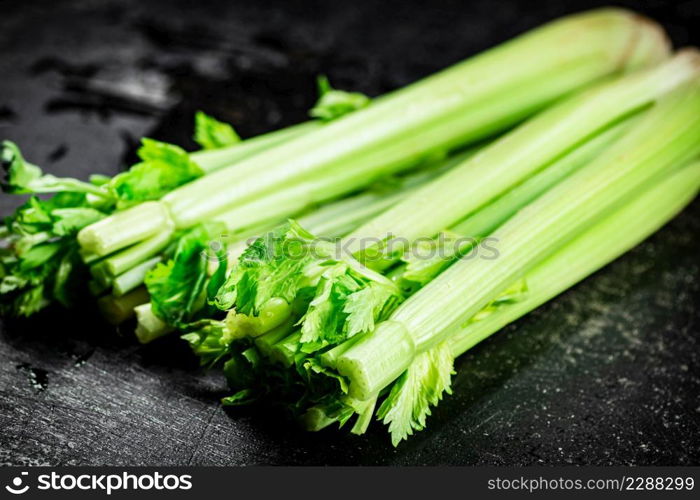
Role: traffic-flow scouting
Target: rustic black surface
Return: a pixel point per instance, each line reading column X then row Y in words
column 608, row 373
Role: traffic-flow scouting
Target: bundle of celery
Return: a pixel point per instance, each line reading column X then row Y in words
column 329, row 333
column 184, row 298
column 596, row 122
column 398, row 131
column 410, row 127
column 41, row 258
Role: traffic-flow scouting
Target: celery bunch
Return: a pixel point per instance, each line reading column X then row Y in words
column 377, row 322
column 539, row 151
column 41, row 259
column 402, row 130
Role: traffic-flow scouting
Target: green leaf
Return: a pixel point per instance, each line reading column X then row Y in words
column 30, row 301
column 209, row 340
column 366, row 306
column 210, row 133
column 273, row 266
column 241, row 398
column 39, row 255
column 177, row 288
column 241, row 369
column 346, row 303
column 163, row 168
column 41, row 262
column 421, row 386
column 69, row 275
column 325, row 319
column 327, row 293
column 313, row 366
column 32, row 217
column 69, row 221
column 21, row 177
column 334, row 103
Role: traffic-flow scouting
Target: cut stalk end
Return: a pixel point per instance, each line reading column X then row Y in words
column 372, row 363
column 149, row 326
column 124, row 228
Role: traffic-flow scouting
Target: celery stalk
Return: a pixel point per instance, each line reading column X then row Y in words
column 462, row 104
column 522, row 164
column 133, row 256
column 149, row 327
column 330, row 220
column 669, row 134
column 116, row 310
column 485, row 220
column 133, row 278
column 210, row 160
column 523, row 152
column 595, row 248
column 124, row 228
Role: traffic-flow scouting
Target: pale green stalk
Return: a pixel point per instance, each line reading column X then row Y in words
column 327, row 221
column 116, row 310
column 148, row 326
column 330, row 220
column 595, row 248
column 297, row 198
column 133, row 278
column 459, row 105
column 668, row 135
column 485, row 220
column 523, row 152
column 466, row 234
column 210, row 160
column 124, row 228
column 133, row 256
column 608, row 239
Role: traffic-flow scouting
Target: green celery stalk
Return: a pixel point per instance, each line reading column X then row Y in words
column 668, row 135
column 148, row 326
column 126, row 260
column 592, row 250
column 124, row 228
column 522, row 164
column 605, row 241
column 210, row 160
column 133, row 278
column 462, row 104
column 288, row 201
column 116, row 310
column 329, row 220
column 523, row 152
column 466, row 233
column 486, row 219
column 496, row 213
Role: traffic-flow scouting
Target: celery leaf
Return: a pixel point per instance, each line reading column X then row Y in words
column 333, row 103
column 163, row 168
column 421, row 386
column 40, row 261
column 22, row 177
column 177, row 287
column 210, row 133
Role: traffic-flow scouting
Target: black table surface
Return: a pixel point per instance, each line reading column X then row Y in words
column 608, row 373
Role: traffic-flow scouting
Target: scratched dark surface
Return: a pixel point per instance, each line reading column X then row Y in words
column 609, row 373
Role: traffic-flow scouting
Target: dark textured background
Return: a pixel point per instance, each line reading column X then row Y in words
column 608, row 373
